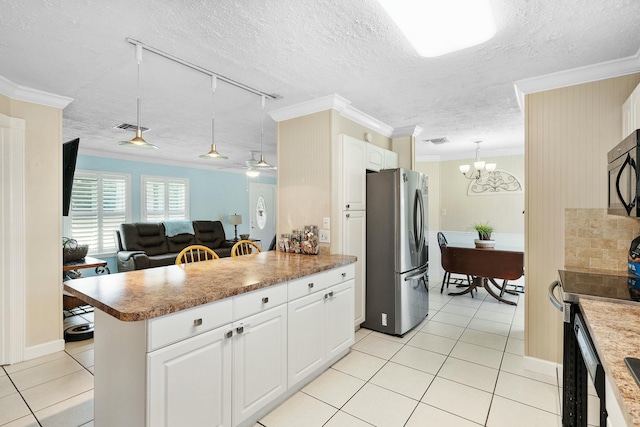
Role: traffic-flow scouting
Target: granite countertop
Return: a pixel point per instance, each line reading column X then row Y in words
column 154, row 292
column 615, row 331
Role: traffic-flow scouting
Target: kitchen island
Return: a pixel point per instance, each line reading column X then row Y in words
column 218, row 342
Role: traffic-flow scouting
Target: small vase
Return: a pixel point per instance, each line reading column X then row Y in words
column 484, row 243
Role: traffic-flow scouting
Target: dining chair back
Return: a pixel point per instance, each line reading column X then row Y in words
column 444, row 261
column 245, row 247
column 195, row 253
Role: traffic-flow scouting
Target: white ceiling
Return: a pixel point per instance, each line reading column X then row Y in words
column 300, row 50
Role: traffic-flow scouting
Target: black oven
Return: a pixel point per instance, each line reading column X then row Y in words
column 580, row 364
column 623, row 177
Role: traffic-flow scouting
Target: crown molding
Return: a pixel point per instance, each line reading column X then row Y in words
column 465, row 156
column 335, row 102
column 576, row 76
column 23, row 93
column 413, row 131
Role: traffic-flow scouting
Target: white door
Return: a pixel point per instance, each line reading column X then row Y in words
column 190, row 382
column 306, row 336
column 339, row 315
column 354, row 242
column 259, row 361
column 354, row 183
column 262, row 208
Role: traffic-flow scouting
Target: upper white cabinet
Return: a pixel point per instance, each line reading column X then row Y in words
column 375, row 157
column 390, row 159
column 354, row 181
column 631, row 113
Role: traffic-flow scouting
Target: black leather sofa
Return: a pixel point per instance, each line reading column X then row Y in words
column 145, row 244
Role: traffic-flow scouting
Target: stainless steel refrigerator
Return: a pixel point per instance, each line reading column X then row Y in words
column 397, row 284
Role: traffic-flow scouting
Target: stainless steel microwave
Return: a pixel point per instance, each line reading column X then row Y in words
column 623, row 177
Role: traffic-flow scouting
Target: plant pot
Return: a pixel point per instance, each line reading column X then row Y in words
column 484, row 243
column 73, row 254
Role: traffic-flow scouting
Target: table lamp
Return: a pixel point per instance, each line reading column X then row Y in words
column 236, row 220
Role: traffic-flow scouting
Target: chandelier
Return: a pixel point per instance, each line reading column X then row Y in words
column 479, row 166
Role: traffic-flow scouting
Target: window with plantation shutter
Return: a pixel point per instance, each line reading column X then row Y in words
column 100, row 202
column 164, row 198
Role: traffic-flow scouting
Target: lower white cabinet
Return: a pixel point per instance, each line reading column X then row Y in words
column 189, row 382
column 259, row 361
column 354, row 242
column 320, row 328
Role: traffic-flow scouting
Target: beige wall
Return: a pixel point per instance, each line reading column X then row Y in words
column 43, row 222
column 568, row 132
column 451, row 209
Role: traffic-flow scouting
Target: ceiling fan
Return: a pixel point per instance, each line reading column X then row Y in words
column 251, row 165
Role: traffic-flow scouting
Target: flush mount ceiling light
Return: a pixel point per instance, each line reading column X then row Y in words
column 262, row 164
column 252, row 172
column 138, row 141
column 435, row 28
column 213, row 154
column 479, row 166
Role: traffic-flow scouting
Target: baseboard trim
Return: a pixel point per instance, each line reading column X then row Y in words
column 43, row 349
column 540, row 366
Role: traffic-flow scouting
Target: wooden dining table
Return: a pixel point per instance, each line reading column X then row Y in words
column 485, row 265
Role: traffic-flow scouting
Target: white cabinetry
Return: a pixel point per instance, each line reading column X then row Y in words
column 354, row 242
column 631, row 113
column 259, row 361
column 390, row 159
column 320, row 324
column 375, row 157
column 354, row 183
column 190, row 381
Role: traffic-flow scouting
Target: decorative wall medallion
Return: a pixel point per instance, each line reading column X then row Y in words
column 261, row 213
column 493, row 183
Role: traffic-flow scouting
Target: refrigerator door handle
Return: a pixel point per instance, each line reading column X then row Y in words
column 418, row 212
column 417, row 275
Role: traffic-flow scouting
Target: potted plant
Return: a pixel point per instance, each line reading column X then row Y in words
column 72, row 251
column 484, row 239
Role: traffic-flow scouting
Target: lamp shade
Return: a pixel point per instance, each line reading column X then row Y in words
column 235, row 219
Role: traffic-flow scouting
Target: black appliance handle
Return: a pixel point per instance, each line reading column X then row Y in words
column 627, row 207
column 418, row 210
column 552, row 296
column 417, row 275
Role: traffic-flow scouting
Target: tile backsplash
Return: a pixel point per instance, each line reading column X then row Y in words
column 597, row 241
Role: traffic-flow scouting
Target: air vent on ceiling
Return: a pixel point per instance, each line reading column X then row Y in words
column 437, row 141
column 127, row 126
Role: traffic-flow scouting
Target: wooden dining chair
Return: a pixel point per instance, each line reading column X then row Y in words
column 245, row 247
column 458, row 281
column 195, row 253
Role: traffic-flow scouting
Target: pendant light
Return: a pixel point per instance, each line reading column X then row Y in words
column 262, row 164
column 138, row 141
column 213, row 154
column 479, row 166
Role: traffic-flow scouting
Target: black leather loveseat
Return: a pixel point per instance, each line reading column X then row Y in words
column 145, row 244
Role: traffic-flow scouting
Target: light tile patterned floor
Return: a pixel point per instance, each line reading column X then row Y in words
column 461, row 367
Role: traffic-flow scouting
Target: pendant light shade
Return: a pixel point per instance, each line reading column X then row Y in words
column 213, row 153
column 262, row 164
column 252, row 172
column 138, row 141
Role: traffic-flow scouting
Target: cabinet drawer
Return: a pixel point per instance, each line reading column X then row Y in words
column 260, row 300
column 341, row 274
column 307, row 285
column 175, row 327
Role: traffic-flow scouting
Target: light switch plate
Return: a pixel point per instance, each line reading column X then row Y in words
column 326, row 223
column 323, row 236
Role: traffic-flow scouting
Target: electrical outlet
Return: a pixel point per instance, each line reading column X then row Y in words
column 384, row 319
column 326, row 223
column 323, row 236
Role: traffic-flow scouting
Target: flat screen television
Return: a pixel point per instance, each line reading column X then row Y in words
column 69, row 156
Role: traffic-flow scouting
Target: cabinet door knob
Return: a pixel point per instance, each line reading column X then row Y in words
column 229, row 334
column 310, row 285
column 197, row 322
column 265, row 300
column 348, row 206
column 331, row 294
column 240, row 329
column 344, row 275
column 347, row 215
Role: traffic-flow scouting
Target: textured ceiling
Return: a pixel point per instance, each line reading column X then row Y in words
column 299, row 50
